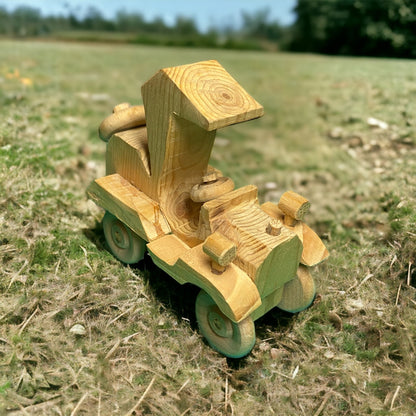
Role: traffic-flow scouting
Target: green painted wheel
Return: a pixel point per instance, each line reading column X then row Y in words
column 234, row 340
column 124, row 244
column 298, row 293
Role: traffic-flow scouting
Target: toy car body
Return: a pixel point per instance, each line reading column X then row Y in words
column 161, row 195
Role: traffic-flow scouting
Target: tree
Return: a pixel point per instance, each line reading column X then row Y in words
column 130, row 22
column 186, row 26
column 26, row 21
column 257, row 25
column 356, row 27
column 4, row 21
column 94, row 20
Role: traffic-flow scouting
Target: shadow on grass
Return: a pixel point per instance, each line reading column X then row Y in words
column 96, row 236
column 180, row 299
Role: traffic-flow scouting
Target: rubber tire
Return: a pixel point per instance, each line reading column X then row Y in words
column 123, row 243
column 234, row 340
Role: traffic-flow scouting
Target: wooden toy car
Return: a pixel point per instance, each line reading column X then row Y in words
column 161, row 195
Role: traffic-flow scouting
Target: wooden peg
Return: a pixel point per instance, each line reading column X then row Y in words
column 294, row 207
column 221, row 250
column 274, row 227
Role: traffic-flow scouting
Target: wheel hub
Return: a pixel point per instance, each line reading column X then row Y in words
column 220, row 326
column 120, row 235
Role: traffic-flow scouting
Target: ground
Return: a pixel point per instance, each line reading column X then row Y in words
column 82, row 334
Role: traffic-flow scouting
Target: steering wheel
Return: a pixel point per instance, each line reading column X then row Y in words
column 206, row 191
column 124, row 117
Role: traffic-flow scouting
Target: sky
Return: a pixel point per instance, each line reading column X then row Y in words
column 206, row 13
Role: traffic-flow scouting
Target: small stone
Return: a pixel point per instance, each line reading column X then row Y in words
column 336, row 133
column 274, row 353
column 221, row 142
column 270, row 186
column 84, row 150
column 329, row 354
column 374, row 122
column 354, row 306
column 78, row 329
column 355, row 141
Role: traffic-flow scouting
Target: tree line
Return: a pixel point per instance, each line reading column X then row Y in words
column 341, row 27
column 256, row 32
column 385, row 28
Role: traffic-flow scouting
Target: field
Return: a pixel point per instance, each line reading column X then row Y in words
column 81, row 334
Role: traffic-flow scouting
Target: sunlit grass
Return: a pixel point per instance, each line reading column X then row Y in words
column 352, row 352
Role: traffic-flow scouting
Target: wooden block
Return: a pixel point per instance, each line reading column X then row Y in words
column 233, row 291
column 314, row 250
column 168, row 249
column 128, row 155
column 221, row 250
column 184, row 106
column 268, row 302
column 270, row 260
column 129, row 205
column 294, row 207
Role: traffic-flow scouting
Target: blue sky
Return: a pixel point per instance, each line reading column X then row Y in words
column 206, row 12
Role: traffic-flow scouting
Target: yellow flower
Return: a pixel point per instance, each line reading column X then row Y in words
column 26, row 81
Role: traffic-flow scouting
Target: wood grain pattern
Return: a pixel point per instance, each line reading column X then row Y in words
column 314, row 250
column 294, row 207
column 128, row 155
column 214, row 99
column 129, row 205
column 233, row 291
column 184, row 106
column 238, row 216
column 160, row 185
column 124, row 117
column 220, row 249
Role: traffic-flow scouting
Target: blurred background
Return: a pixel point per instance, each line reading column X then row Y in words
column 337, row 27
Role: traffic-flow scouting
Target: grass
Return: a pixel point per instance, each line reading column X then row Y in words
column 82, row 334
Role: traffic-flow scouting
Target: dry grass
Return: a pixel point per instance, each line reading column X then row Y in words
column 82, row 334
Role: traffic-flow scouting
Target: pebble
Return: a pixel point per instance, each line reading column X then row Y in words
column 78, row 329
